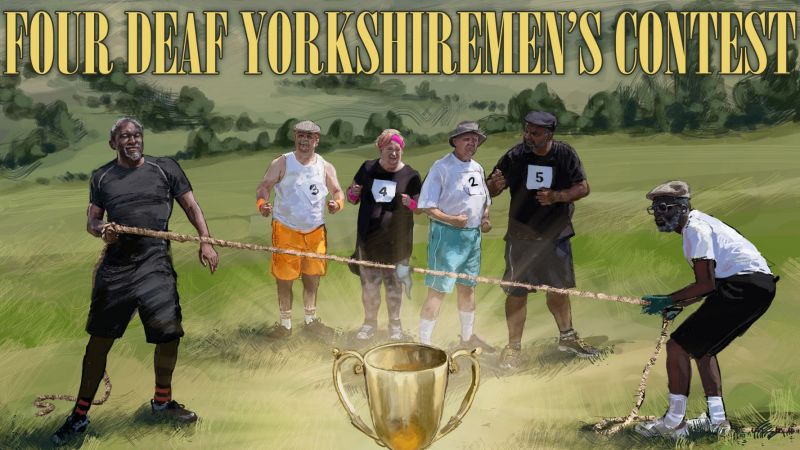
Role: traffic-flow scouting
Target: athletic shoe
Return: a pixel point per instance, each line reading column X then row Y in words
column 396, row 333
column 475, row 341
column 173, row 410
column 509, row 357
column 704, row 424
column 278, row 331
column 366, row 332
column 657, row 428
column 319, row 330
column 73, row 426
column 573, row 343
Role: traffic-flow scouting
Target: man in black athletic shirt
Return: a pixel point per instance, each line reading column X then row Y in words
column 135, row 272
column 545, row 177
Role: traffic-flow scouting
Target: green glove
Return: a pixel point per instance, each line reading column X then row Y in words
column 657, row 303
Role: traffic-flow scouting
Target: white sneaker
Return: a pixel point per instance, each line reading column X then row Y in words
column 366, row 332
column 396, row 333
column 657, row 428
column 703, row 423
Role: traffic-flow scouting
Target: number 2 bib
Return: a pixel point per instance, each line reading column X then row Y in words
column 539, row 177
column 383, row 191
column 473, row 184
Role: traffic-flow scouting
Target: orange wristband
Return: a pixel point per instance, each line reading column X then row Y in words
column 259, row 203
column 340, row 202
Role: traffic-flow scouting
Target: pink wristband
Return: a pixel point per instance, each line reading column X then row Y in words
column 353, row 197
column 412, row 204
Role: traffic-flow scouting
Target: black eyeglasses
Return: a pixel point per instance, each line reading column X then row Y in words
column 660, row 207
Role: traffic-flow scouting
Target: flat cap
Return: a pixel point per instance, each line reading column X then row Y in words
column 467, row 127
column 542, row 118
column 674, row 188
column 307, row 126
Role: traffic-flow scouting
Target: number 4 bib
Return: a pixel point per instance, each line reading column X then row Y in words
column 383, row 191
column 539, row 177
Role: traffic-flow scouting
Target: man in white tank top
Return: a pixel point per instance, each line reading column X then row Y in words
column 302, row 181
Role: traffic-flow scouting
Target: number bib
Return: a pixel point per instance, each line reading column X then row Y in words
column 539, row 177
column 383, row 191
column 473, row 184
column 314, row 192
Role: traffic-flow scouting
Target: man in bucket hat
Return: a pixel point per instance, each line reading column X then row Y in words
column 545, row 178
column 738, row 287
column 455, row 197
column 302, row 181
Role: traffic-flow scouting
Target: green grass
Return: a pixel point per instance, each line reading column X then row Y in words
column 254, row 394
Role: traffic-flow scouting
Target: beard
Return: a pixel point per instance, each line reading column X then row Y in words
column 133, row 154
column 670, row 224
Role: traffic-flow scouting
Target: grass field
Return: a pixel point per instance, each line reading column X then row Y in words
column 251, row 393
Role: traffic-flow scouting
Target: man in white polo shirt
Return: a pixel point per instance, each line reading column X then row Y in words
column 455, row 197
column 302, row 181
column 738, row 287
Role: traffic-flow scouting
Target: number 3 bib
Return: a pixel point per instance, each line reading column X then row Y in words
column 383, row 191
column 539, row 177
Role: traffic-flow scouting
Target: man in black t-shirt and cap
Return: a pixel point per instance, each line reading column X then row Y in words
column 545, row 177
column 135, row 273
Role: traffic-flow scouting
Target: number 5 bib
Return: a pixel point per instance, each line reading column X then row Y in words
column 383, row 191
column 539, row 177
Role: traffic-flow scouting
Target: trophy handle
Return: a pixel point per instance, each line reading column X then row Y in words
column 455, row 421
column 355, row 419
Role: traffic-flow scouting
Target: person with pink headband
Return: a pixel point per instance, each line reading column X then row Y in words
column 387, row 190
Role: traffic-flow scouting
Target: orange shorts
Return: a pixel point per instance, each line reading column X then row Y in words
column 289, row 267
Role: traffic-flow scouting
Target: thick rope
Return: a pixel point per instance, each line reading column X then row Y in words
column 169, row 235
column 46, row 408
column 622, row 422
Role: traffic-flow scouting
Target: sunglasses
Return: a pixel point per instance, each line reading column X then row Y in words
column 661, row 207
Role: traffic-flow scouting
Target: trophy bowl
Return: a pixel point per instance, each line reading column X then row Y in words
column 406, row 384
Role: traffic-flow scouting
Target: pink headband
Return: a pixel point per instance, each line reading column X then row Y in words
column 399, row 140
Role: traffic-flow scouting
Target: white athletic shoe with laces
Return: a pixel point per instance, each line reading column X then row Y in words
column 657, row 428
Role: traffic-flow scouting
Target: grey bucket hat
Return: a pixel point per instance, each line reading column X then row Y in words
column 467, row 127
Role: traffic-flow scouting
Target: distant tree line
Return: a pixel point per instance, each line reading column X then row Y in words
column 55, row 127
column 690, row 103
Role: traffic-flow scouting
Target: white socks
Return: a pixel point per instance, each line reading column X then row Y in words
column 311, row 314
column 286, row 319
column 676, row 411
column 467, row 323
column 716, row 410
column 426, row 330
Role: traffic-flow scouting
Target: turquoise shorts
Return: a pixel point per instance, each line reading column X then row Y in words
column 452, row 249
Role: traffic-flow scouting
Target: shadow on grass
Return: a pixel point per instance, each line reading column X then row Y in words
column 758, row 425
column 543, row 359
column 24, row 432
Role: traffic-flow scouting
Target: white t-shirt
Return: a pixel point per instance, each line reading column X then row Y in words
column 456, row 187
column 705, row 237
column 300, row 195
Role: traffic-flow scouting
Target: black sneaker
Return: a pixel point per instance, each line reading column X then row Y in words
column 319, row 330
column 278, row 331
column 173, row 410
column 572, row 343
column 73, row 426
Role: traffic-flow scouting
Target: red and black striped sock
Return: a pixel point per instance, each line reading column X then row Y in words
column 163, row 394
column 82, row 406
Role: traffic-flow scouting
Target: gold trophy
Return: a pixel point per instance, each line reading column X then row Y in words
column 406, row 383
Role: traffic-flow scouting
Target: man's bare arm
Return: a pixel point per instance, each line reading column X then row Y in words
column 208, row 256
column 274, row 174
